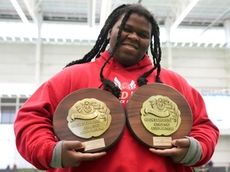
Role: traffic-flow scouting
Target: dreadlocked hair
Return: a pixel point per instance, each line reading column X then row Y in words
column 109, row 85
column 155, row 49
column 102, row 42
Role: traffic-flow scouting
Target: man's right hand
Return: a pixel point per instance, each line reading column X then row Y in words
column 72, row 154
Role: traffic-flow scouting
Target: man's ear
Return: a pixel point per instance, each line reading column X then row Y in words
column 109, row 34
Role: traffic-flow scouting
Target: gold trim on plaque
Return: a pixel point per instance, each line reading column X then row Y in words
column 160, row 115
column 88, row 118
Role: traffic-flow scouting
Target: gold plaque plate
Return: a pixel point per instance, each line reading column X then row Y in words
column 158, row 113
column 92, row 116
column 89, row 118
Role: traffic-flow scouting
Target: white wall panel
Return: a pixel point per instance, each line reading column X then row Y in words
column 202, row 67
column 222, row 153
column 227, row 64
column 17, row 63
column 55, row 57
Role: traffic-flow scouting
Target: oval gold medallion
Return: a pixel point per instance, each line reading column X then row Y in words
column 160, row 115
column 88, row 118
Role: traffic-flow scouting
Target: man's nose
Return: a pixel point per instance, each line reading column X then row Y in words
column 133, row 36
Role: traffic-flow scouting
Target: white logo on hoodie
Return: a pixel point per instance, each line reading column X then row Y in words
column 127, row 88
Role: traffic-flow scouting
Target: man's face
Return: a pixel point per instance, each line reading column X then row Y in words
column 135, row 39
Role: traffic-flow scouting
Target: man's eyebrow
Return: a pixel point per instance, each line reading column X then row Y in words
column 130, row 26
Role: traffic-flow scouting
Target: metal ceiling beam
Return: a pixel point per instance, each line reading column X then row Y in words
column 91, row 12
column 106, row 6
column 33, row 8
column 19, row 11
column 35, row 12
column 227, row 32
column 198, row 38
column 184, row 12
column 215, row 21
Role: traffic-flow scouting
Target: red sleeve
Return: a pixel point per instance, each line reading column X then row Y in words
column 35, row 138
column 203, row 128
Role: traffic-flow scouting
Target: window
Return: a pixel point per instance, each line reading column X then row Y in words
column 218, row 109
column 9, row 107
column 8, row 114
column 8, row 100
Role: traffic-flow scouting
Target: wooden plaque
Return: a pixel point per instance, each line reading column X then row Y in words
column 89, row 126
column 157, row 128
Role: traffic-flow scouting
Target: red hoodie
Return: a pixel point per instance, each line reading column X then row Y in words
column 35, row 138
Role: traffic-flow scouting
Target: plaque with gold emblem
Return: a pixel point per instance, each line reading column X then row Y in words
column 158, row 113
column 92, row 116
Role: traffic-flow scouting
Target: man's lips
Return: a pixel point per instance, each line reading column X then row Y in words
column 135, row 46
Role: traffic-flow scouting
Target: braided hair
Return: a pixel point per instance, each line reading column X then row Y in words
column 102, row 42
